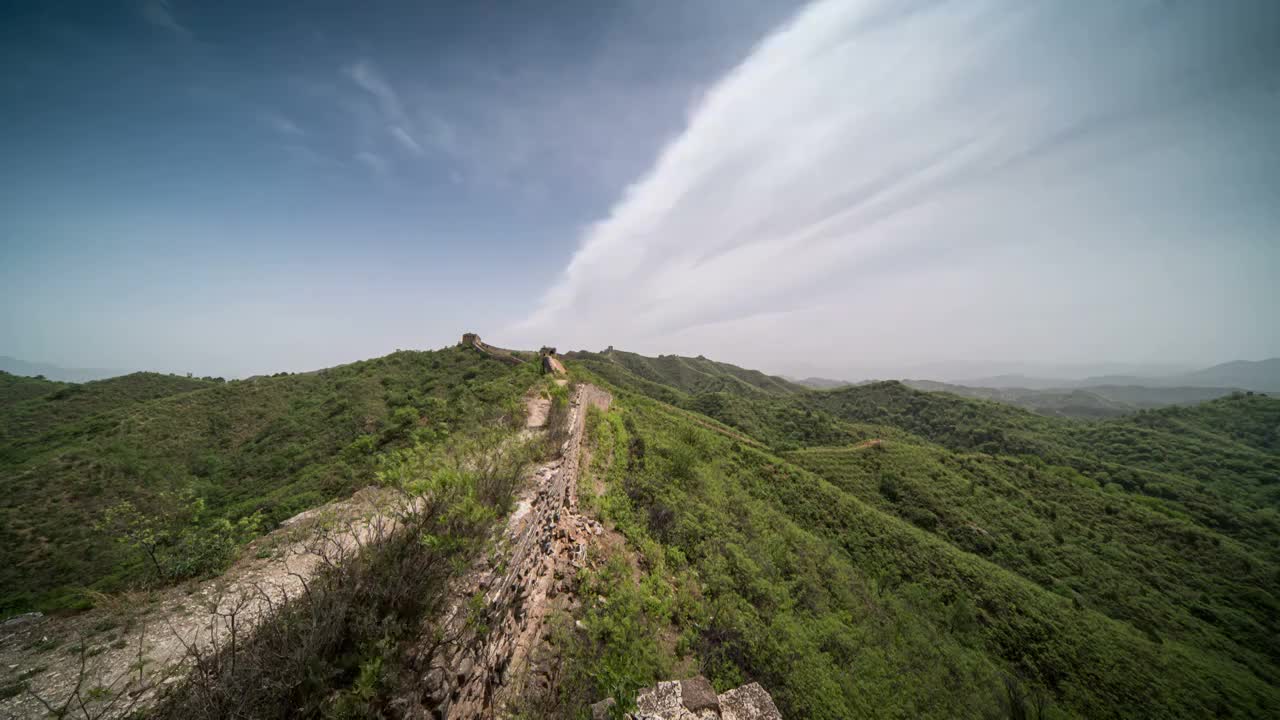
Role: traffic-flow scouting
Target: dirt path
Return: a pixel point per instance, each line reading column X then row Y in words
column 499, row 617
column 537, row 408
column 155, row 629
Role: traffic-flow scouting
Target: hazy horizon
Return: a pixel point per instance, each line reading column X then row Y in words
column 842, row 188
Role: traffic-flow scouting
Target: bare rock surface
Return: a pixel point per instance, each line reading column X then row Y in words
column 695, row 699
column 749, row 702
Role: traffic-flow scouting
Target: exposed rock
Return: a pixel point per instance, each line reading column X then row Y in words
column 552, row 366
column 749, row 702
column 697, row 694
column 695, row 699
column 464, row 668
column 663, row 701
column 22, row 619
column 600, row 711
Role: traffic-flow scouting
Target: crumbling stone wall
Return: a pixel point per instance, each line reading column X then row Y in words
column 473, row 340
column 470, row 665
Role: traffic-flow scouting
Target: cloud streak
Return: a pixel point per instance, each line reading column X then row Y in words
column 869, row 150
column 397, row 123
column 159, row 13
column 283, row 125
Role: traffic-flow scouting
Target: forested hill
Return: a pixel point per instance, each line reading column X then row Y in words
column 1091, row 402
column 869, row 551
column 258, row 450
column 977, row 553
column 33, row 406
column 686, row 374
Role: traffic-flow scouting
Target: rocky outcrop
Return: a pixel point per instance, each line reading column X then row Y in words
column 552, row 366
column 695, row 699
column 749, row 702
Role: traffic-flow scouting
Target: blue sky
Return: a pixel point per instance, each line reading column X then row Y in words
column 229, row 188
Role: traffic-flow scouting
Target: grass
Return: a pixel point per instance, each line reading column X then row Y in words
column 980, row 561
column 870, row 551
column 270, row 447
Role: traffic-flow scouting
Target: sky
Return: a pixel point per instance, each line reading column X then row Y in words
column 842, row 188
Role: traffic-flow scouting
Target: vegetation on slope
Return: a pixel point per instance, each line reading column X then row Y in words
column 843, row 610
column 341, row 650
column 872, row 551
column 16, row 388
column 1110, row 551
column 1171, row 455
column 1092, row 402
column 688, row 375
column 931, row 555
column 24, row 422
column 265, row 449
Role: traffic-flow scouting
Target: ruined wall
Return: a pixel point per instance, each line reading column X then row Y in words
column 473, row 340
column 476, row 655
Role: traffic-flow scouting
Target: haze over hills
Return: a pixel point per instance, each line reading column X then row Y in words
column 1259, row 376
column 14, row 366
column 1090, row 401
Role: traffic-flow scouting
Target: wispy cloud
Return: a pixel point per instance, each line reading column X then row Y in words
column 397, row 124
column 867, row 146
column 365, row 74
column 283, row 125
column 406, row 140
column 159, row 13
column 374, row 162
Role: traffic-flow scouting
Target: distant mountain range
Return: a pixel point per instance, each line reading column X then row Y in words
column 15, row 366
column 1258, row 376
column 1100, row 401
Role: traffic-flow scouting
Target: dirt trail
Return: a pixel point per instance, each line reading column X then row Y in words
column 499, row 617
column 158, row 627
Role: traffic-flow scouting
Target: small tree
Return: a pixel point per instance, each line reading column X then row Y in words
column 132, row 527
column 175, row 538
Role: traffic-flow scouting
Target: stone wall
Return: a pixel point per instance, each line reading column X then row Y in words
column 483, row 652
column 473, row 340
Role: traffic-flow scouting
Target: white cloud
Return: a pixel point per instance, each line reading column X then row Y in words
column 159, row 13
column 283, row 125
column 374, row 162
column 406, row 140
column 868, row 146
column 365, row 74
column 397, row 124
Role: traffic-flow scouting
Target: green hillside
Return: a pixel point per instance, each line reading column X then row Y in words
column 868, row 551
column 60, row 404
column 265, row 448
column 1093, row 402
column 912, row 554
column 16, row 388
column 690, row 375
